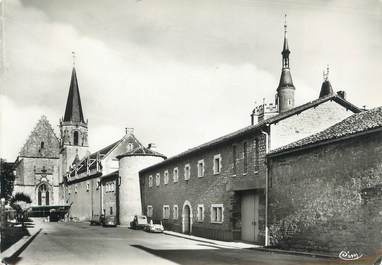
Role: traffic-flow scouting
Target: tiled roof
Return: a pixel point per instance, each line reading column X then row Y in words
column 102, row 152
column 357, row 123
column 252, row 128
column 141, row 150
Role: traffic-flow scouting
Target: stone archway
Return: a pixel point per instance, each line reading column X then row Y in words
column 187, row 218
column 44, row 194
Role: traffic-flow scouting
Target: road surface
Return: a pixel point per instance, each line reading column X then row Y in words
column 80, row 243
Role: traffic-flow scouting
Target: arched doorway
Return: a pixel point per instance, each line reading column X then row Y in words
column 43, row 195
column 187, row 218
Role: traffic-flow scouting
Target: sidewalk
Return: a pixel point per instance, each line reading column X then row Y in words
column 242, row 245
column 20, row 245
column 218, row 243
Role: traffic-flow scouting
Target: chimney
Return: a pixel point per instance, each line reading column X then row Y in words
column 129, row 130
column 341, row 94
column 151, row 146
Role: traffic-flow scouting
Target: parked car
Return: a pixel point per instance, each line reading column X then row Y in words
column 110, row 220
column 139, row 222
column 97, row 219
column 154, row 227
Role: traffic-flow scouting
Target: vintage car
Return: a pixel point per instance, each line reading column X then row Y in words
column 154, row 227
column 110, row 220
column 139, row 222
column 97, row 219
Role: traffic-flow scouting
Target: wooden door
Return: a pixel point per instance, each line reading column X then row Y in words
column 249, row 216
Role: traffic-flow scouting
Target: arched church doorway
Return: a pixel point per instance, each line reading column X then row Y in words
column 187, row 218
column 43, row 195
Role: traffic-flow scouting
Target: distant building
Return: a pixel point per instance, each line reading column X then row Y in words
column 218, row 189
column 58, row 172
column 325, row 190
column 107, row 181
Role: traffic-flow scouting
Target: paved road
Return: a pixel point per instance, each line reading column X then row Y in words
column 79, row 243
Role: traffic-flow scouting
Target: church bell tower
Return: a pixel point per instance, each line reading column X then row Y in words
column 73, row 127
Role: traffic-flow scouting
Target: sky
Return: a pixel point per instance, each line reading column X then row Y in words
column 179, row 72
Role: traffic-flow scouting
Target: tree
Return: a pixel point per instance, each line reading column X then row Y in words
column 16, row 202
column 7, row 178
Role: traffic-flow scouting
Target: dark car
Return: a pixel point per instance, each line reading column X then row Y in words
column 139, row 222
column 110, row 220
column 97, row 219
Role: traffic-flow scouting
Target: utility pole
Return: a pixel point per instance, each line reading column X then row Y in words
column 2, row 38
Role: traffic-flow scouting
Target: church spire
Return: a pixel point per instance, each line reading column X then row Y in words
column 73, row 110
column 285, row 53
column 285, row 90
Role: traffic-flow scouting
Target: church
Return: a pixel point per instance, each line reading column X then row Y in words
column 60, row 172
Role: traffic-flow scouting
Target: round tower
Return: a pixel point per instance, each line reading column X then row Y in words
column 130, row 164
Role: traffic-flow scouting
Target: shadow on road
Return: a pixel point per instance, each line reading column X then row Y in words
column 223, row 256
column 10, row 235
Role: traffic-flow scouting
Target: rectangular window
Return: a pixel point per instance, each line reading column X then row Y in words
column 187, row 172
column 166, row 211
column 87, row 186
column 256, row 155
column 111, row 210
column 201, row 168
column 217, row 213
column 200, row 213
column 98, row 184
column 175, row 174
column 175, row 212
column 150, row 181
column 245, row 157
column 234, row 159
column 165, row 178
column 150, row 211
column 75, row 188
column 217, row 164
column 157, row 179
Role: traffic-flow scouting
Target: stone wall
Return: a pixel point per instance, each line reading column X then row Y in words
column 315, row 197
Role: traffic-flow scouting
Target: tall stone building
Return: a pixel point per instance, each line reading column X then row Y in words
column 38, row 165
column 73, row 128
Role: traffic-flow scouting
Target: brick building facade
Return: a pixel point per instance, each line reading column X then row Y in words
column 324, row 190
column 191, row 196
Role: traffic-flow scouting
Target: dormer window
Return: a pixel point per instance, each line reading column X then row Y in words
column 129, row 147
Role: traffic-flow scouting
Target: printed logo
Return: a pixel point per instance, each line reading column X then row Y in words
column 347, row 255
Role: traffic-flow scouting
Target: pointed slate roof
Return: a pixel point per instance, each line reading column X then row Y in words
column 326, row 89
column 73, row 110
column 286, row 77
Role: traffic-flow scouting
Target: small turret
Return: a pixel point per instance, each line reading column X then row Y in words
column 285, row 90
column 326, row 87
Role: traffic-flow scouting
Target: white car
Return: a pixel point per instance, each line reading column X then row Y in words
column 154, row 227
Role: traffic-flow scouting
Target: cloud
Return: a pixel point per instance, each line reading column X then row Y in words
column 176, row 105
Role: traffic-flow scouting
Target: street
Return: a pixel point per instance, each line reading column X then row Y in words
column 80, row 243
